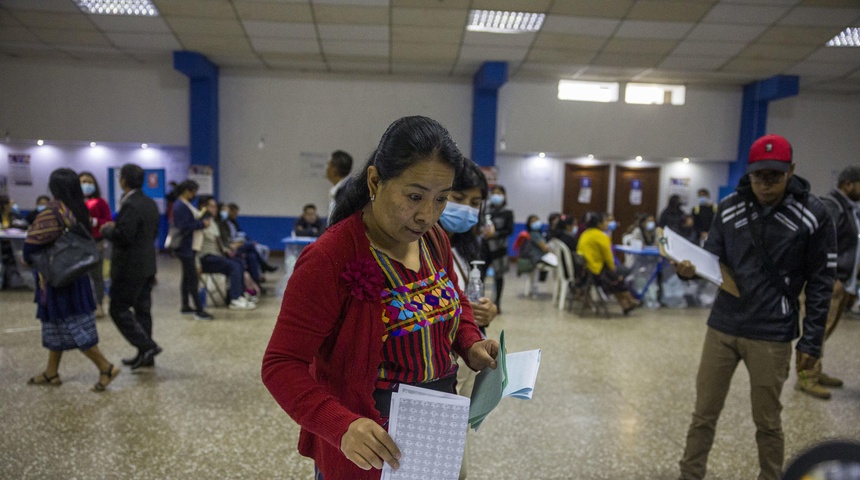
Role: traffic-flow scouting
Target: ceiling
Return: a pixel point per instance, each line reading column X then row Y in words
column 726, row 42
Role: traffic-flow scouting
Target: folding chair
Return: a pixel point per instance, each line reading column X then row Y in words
column 563, row 272
column 587, row 290
column 215, row 287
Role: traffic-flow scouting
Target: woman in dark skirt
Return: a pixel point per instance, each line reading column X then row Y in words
column 68, row 313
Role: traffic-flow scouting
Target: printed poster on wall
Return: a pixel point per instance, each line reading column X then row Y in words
column 584, row 190
column 314, row 164
column 681, row 188
column 491, row 174
column 19, row 169
column 202, row 174
column 636, row 192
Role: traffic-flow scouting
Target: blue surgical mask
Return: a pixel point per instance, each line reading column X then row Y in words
column 458, row 218
column 88, row 189
column 703, row 200
column 39, row 208
column 650, row 226
column 223, row 214
column 497, row 199
column 574, row 230
column 536, row 225
column 612, row 225
column 15, row 208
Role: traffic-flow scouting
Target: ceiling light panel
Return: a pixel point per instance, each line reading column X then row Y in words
column 143, row 8
column 850, row 37
column 494, row 21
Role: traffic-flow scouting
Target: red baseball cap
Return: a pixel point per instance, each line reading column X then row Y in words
column 770, row 152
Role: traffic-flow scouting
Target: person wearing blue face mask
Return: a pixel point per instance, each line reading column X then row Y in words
column 100, row 214
column 703, row 214
column 496, row 243
column 41, row 204
column 533, row 248
column 459, row 220
column 645, row 230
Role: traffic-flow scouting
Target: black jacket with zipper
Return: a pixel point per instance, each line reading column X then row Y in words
column 842, row 212
column 799, row 239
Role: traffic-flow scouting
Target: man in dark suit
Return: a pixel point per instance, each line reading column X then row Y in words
column 133, row 266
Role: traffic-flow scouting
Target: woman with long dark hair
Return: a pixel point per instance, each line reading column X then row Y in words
column 100, row 214
column 496, row 246
column 374, row 303
column 190, row 221
column 67, row 313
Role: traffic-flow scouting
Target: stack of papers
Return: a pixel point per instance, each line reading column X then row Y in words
column 514, row 376
column 429, row 427
column 680, row 249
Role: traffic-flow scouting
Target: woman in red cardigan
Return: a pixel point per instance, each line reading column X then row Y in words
column 100, row 214
column 374, row 303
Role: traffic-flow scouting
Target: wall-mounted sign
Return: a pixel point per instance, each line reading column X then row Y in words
column 584, row 190
column 636, row 192
column 19, row 169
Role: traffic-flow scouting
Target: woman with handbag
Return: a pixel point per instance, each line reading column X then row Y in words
column 67, row 313
column 100, row 214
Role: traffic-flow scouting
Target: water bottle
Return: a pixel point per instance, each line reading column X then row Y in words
column 475, row 287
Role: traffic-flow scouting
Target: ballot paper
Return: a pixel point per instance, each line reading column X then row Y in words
column 429, row 427
column 679, row 249
column 514, row 376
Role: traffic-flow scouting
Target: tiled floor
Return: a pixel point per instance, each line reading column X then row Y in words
column 613, row 400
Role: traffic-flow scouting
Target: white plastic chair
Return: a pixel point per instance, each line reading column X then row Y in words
column 563, row 272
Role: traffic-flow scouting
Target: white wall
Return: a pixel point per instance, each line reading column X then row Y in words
column 97, row 160
column 536, row 185
column 317, row 115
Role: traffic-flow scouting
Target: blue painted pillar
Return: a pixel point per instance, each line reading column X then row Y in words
column 757, row 96
column 203, row 109
column 485, row 105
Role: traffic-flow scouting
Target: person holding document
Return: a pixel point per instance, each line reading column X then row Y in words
column 774, row 237
column 374, row 303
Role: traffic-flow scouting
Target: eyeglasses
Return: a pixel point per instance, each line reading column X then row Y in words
column 767, row 177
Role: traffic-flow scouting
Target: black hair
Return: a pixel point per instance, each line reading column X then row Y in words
column 233, row 206
column 43, row 197
column 187, row 186
column 705, row 191
column 593, row 219
column 342, row 162
column 65, row 186
column 309, row 205
column 406, row 142
column 675, row 202
column 504, row 191
column 133, row 175
column 466, row 243
column 849, row 175
column 529, row 220
column 98, row 192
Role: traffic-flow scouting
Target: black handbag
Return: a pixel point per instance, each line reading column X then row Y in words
column 73, row 254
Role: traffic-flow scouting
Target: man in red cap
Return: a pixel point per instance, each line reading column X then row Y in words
column 775, row 237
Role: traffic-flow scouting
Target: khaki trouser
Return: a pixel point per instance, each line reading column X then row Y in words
column 809, row 368
column 768, row 364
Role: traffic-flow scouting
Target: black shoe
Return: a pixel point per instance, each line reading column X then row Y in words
column 147, row 358
column 203, row 315
column 269, row 268
column 131, row 360
column 187, row 311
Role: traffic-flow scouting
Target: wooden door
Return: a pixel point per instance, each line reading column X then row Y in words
column 586, row 189
column 636, row 192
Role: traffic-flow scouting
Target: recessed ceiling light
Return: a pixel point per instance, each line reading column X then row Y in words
column 118, row 7
column 541, row 155
column 850, row 37
column 494, row 21
column 590, row 156
column 143, row 145
column 638, row 158
column 685, row 160
column 40, row 142
column 92, row 144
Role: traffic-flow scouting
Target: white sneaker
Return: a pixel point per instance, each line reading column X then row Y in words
column 241, row 304
column 251, row 298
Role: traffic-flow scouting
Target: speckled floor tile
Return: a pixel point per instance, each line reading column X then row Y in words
column 613, row 399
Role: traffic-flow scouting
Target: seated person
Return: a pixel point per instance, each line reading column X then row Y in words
column 534, row 249
column 595, row 246
column 213, row 258
column 309, row 224
column 566, row 230
column 41, row 204
column 645, row 230
column 237, row 247
column 236, row 234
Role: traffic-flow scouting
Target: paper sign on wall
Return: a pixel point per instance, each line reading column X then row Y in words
column 19, row 169
column 636, row 192
column 202, row 174
column 584, row 190
column 681, row 188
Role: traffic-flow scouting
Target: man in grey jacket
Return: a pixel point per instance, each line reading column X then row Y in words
column 774, row 237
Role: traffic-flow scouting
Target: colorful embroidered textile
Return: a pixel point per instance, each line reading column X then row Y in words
column 421, row 311
column 50, row 223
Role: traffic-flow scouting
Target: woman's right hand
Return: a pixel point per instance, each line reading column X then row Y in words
column 368, row 445
column 484, row 311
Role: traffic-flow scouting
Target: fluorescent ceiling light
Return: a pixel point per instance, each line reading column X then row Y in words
column 605, row 92
column 118, row 7
column 654, row 94
column 850, row 37
column 494, row 21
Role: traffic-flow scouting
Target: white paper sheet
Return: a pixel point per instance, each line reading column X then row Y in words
column 679, row 249
column 522, row 374
column 429, row 427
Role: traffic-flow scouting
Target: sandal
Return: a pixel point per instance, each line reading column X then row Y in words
column 44, row 379
column 110, row 373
